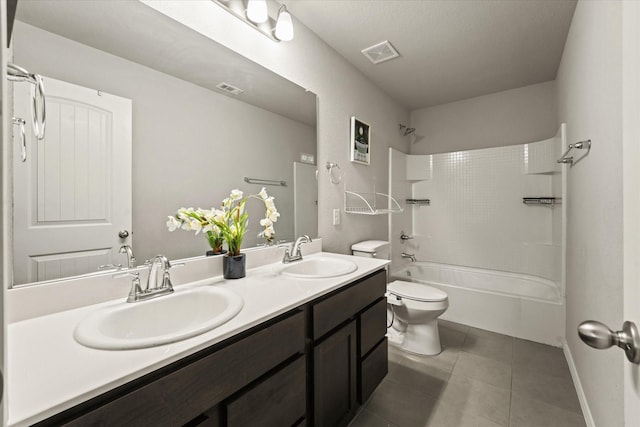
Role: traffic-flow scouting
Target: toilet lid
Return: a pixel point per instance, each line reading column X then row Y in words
column 416, row 291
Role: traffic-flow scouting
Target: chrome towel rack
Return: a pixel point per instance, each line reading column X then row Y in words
column 420, row 202
column 577, row 146
column 15, row 73
column 265, row 181
column 548, row 201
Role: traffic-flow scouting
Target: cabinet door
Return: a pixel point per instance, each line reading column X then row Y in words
column 334, row 375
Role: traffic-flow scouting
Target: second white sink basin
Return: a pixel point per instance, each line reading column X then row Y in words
column 319, row 268
column 162, row 320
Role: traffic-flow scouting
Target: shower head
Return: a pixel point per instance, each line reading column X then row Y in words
column 406, row 130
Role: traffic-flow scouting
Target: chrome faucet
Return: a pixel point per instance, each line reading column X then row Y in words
column 295, row 254
column 152, row 289
column 412, row 257
column 152, row 285
column 131, row 260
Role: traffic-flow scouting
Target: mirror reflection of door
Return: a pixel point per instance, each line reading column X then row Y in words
column 75, row 186
column 305, row 199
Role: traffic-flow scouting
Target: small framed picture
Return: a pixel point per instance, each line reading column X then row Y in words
column 360, row 142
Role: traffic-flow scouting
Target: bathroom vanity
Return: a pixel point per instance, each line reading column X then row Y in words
column 312, row 361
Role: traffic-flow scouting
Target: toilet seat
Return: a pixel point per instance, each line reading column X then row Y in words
column 416, row 291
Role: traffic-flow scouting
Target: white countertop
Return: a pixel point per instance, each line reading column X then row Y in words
column 49, row 372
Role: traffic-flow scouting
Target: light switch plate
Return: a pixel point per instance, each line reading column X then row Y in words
column 336, row 217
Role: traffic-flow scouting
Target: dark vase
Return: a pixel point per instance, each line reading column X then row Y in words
column 234, row 266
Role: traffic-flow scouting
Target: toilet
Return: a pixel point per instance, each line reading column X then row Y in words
column 414, row 307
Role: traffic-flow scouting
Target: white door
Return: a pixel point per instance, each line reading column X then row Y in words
column 305, row 200
column 72, row 196
column 631, row 195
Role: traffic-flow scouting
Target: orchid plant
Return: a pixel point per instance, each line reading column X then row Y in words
column 228, row 223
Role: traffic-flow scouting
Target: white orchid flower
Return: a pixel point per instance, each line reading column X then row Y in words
column 263, row 194
column 173, row 223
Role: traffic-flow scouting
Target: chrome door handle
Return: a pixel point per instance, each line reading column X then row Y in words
column 598, row 335
column 123, row 234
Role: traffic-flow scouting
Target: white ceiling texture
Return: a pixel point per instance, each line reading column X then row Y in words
column 449, row 49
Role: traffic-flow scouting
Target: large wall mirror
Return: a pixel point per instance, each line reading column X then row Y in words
column 139, row 126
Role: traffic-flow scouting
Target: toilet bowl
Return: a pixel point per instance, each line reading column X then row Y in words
column 414, row 307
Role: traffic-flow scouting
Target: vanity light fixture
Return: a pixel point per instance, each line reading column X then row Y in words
column 255, row 13
column 284, row 25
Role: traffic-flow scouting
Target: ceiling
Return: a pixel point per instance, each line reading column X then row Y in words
column 449, row 49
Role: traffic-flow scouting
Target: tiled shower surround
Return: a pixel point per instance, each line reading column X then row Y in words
column 477, row 217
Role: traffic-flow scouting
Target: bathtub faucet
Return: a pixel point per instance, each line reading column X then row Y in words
column 412, row 257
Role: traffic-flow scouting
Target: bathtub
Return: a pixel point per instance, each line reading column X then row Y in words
column 518, row 305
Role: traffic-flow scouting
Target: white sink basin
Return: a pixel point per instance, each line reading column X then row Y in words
column 319, row 268
column 162, row 320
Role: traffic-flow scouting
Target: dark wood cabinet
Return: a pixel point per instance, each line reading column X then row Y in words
column 350, row 354
column 335, row 374
column 310, row 366
column 276, row 402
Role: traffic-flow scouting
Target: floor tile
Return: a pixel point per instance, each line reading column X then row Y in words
column 451, row 338
column 526, row 412
column 477, row 398
column 368, row 419
column 446, row 415
column 455, row 326
column 444, row 361
column 400, row 405
column 484, row 369
column 422, row 378
column 480, row 379
column 531, row 356
column 489, row 344
column 556, row 391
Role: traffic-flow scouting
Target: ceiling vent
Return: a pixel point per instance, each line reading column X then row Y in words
column 380, row 52
column 230, row 89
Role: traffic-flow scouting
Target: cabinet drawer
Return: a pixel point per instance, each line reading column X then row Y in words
column 181, row 395
column 374, row 369
column 278, row 401
column 331, row 312
column 373, row 326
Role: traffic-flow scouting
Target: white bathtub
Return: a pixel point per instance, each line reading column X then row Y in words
column 518, row 305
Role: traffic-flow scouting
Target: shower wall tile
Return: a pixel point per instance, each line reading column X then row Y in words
column 477, row 218
column 419, row 167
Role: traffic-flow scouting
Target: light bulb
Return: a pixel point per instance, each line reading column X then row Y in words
column 284, row 25
column 257, row 11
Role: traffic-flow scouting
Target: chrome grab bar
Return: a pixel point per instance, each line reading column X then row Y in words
column 15, row 73
column 265, row 181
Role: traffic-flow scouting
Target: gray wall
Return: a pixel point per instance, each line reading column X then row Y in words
column 590, row 102
column 342, row 92
column 191, row 146
column 511, row 117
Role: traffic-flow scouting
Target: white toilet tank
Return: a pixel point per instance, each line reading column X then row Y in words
column 371, row 249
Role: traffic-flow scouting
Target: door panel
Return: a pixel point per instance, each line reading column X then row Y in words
column 73, row 194
column 305, row 199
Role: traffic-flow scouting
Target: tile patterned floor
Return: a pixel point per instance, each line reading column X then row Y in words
column 480, row 379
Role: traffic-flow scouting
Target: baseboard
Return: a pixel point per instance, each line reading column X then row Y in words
column 586, row 412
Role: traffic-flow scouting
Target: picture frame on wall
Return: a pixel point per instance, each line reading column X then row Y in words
column 360, row 141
